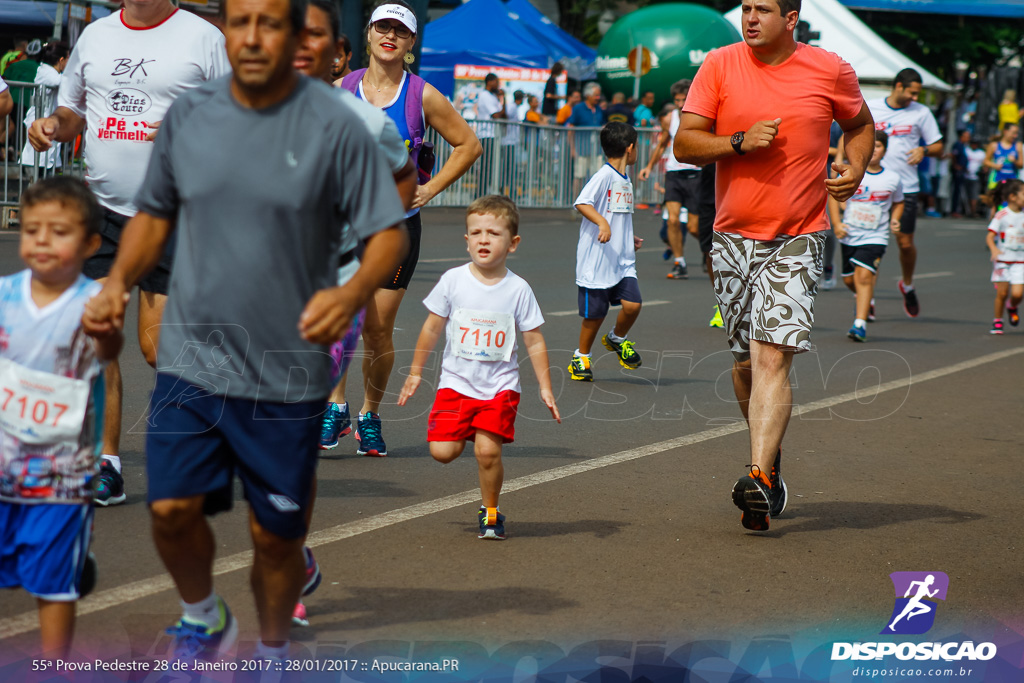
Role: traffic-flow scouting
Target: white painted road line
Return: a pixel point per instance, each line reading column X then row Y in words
column 575, row 311
column 136, row 590
column 925, row 276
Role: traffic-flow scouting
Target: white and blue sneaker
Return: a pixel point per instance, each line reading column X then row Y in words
column 369, row 436
column 858, row 334
column 194, row 642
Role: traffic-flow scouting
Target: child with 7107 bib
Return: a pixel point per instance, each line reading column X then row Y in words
column 605, row 255
column 51, row 405
column 481, row 305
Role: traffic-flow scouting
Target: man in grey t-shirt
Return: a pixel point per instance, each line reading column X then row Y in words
column 257, row 173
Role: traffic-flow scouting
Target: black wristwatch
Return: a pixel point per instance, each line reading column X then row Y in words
column 737, row 142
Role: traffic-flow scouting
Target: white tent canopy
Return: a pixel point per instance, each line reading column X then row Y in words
column 875, row 61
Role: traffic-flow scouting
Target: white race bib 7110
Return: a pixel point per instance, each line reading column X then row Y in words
column 40, row 407
column 482, row 335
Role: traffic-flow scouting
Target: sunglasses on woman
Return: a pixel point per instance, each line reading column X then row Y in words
column 384, row 27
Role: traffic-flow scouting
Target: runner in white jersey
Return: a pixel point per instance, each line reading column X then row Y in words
column 682, row 184
column 1005, row 241
column 124, row 72
column 908, row 124
column 870, row 215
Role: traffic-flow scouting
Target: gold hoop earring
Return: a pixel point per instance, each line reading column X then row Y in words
column 409, row 58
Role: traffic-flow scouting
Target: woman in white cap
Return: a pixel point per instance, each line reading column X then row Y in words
column 413, row 105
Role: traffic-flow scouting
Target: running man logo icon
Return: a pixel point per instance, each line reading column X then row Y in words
column 914, row 612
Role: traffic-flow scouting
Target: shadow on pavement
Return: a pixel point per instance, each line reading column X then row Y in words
column 373, row 607
column 598, row 528
column 804, row 517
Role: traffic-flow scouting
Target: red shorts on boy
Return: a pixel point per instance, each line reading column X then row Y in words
column 455, row 417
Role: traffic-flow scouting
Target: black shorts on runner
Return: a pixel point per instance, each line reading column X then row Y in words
column 909, row 221
column 400, row 278
column 98, row 265
column 706, row 226
column 867, row 256
column 683, row 187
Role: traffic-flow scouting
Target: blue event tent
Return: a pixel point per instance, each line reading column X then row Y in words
column 479, row 32
column 577, row 57
column 977, row 8
column 491, row 33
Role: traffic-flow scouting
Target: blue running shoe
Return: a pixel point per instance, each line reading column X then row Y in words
column 313, row 575
column 857, row 334
column 199, row 642
column 369, row 437
column 109, row 486
column 337, row 423
column 492, row 523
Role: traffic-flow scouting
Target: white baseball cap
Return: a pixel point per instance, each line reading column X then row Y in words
column 402, row 14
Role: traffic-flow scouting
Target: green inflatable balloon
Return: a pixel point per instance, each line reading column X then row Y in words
column 678, row 36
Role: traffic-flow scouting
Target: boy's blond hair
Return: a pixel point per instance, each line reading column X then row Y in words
column 499, row 206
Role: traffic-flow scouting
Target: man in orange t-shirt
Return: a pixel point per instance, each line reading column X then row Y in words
column 771, row 102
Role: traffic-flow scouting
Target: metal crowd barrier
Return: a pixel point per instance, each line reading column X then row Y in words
column 537, row 166
column 13, row 141
column 540, row 166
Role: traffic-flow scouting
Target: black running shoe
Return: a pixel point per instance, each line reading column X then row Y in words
column 89, row 573
column 579, row 369
column 628, row 357
column 780, row 493
column 910, row 305
column 108, row 486
column 678, row 272
column 756, row 498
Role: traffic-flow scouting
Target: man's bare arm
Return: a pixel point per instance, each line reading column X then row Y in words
column 858, row 145
column 696, row 144
column 6, row 103
column 142, row 244
column 61, row 126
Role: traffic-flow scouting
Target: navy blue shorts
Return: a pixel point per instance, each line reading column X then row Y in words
column 196, row 441
column 43, row 548
column 594, row 303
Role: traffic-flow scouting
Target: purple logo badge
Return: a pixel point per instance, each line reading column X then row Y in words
column 916, row 595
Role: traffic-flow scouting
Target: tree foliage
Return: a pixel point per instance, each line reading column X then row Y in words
column 937, row 42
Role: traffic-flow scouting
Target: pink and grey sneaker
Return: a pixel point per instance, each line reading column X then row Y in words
column 313, row 579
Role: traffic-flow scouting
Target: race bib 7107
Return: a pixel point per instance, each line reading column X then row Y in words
column 40, row 407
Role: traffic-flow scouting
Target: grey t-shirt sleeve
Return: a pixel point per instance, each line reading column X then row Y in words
column 393, row 146
column 367, row 196
column 158, row 195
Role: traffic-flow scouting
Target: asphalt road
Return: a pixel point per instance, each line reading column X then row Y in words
column 623, row 540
